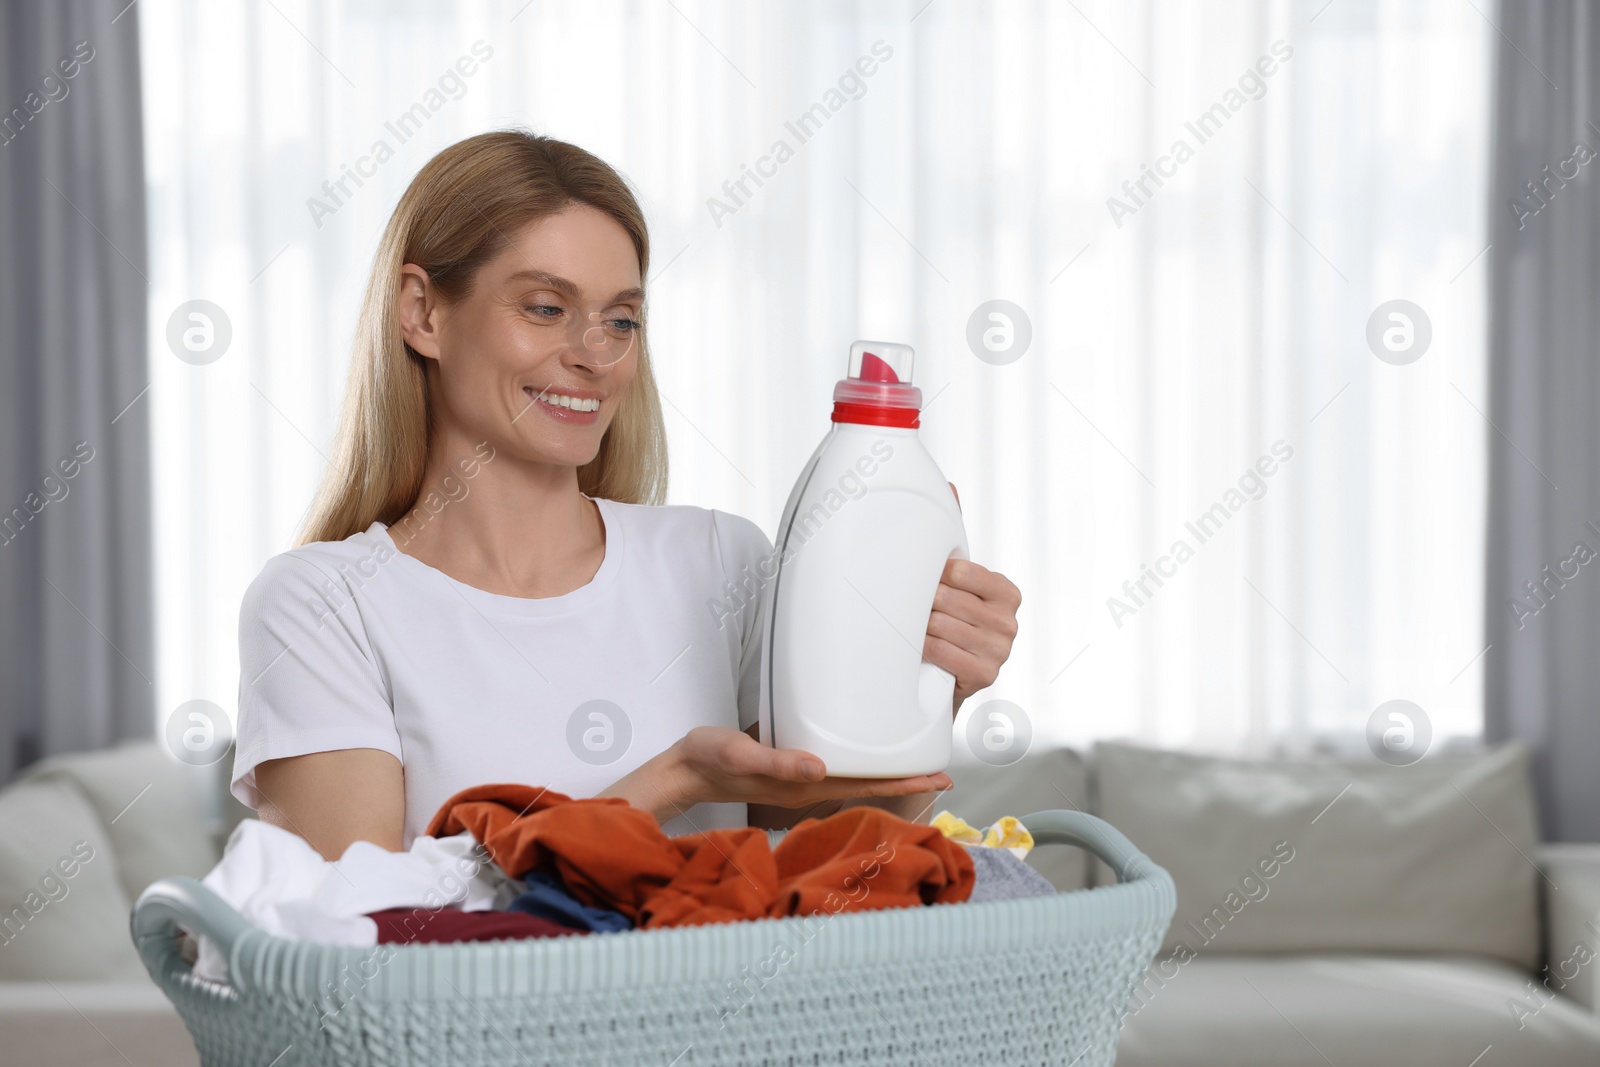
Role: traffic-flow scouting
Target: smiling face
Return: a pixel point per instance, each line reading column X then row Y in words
column 538, row 352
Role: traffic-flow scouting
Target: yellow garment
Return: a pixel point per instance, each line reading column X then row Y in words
column 1007, row 833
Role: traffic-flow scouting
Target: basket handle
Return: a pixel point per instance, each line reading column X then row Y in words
column 169, row 903
column 1093, row 835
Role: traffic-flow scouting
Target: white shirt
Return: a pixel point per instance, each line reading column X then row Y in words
column 355, row 644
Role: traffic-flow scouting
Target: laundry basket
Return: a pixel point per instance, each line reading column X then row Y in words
column 1038, row 980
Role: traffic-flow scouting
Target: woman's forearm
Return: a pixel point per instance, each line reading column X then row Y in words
column 772, row 817
column 914, row 807
column 713, row 764
column 657, row 786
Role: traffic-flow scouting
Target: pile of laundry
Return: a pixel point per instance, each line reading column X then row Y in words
column 514, row 862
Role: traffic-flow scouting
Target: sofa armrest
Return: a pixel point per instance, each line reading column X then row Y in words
column 1572, row 921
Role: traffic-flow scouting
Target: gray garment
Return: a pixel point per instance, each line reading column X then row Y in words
column 1002, row 876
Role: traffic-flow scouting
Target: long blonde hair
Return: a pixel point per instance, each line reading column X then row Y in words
column 453, row 218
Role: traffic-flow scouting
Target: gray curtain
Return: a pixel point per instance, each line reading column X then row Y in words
column 1542, row 671
column 77, row 662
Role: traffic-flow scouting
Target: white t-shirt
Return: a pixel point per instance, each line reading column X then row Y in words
column 355, row 644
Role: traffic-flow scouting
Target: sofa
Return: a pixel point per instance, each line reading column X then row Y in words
column 84, row 835
column 1339, row 912
column 1334, row 911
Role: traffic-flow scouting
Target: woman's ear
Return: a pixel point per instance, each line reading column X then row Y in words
column 418, row 311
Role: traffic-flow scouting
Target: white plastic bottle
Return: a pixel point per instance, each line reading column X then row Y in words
column 861, row 547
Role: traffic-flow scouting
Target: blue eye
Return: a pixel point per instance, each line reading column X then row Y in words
column 627, row 325
column 539, row 309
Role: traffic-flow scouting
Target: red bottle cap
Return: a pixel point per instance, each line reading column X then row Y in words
column 878, row 389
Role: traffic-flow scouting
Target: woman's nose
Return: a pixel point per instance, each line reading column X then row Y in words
column 597, row 346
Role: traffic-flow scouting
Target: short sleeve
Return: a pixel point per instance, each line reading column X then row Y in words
column 308, row 681
column 748, row 559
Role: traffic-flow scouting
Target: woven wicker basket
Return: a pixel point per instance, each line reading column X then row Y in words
column 1040, row 980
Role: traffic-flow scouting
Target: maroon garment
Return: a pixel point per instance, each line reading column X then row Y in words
column 419, row 926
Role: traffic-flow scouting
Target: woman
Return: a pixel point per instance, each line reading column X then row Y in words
column 488, row 588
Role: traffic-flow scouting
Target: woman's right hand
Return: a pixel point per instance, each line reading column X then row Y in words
column 719, row 764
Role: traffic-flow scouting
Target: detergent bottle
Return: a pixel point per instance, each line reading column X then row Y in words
column 861, row 547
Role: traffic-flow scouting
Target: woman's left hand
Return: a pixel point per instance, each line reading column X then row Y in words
column 973, row 623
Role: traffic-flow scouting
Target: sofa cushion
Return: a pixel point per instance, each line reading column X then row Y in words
column 1308, row 1011
column 63, row 911
column 150, row 805
column 1042, row 780
column 1292, row 856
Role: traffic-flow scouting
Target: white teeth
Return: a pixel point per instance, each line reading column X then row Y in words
column 569, row 402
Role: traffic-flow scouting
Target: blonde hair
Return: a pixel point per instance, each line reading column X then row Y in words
column 453, row 218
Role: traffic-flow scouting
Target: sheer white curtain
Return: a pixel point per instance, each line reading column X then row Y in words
column 1336, row 161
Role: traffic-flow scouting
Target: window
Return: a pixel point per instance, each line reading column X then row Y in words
column 1203, row 214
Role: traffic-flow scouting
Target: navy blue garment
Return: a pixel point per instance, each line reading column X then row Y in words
column 548, row 898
